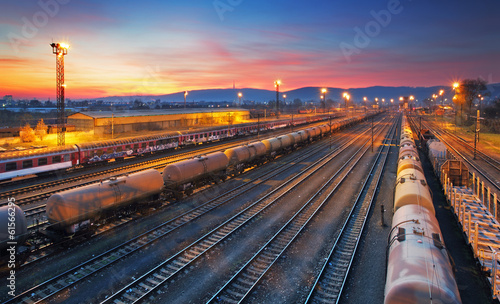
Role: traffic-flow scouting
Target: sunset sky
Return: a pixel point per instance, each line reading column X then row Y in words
column 160, row 47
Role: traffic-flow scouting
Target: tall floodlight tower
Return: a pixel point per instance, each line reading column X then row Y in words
column 60, row 50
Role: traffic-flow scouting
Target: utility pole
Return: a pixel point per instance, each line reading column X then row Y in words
column 258, row 126
column 476, row 133
column 60, row 50
column 372, row 133
column 330, row 132
column 112, row 125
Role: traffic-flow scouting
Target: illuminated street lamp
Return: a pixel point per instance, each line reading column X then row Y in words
column 239, row 96
column 392, row 100
column 323, row 96
column 277, row 84
column 441, row 93
column 346, row 97
column 185, row 95
column 284, row 99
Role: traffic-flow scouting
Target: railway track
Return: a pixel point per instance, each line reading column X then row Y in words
column 494, row 163
column 84, row 270
column 458, row 155
column 236, row 289
column 43, row 191
column 144, row 287
column 75, row 182
column 329, row 284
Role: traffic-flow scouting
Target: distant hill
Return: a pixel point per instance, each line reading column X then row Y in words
column 305, row 94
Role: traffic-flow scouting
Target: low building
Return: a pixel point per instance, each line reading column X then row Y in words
column 106, row 122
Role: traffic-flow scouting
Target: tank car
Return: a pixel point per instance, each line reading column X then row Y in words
column 406, row 141
column 313, row 132
column 287, row 141
column 296, row 139
column 411, row 188
column 437, row 153
column 14, row 227
column 324, row 129
column 273, row 145
column 243, row 156
column 418, row 268
column 408, row 149
column 409, row 163
column 436, row 149
column 182, row 177
column 303, row 136
column 74, row 210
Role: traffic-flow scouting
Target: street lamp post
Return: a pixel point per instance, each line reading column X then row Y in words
column 346, row 99
column 284, row 100
column 277, row 84
column 323, row 95
column 239, row 97
column 185, row 94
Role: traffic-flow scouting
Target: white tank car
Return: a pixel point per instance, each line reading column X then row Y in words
column 411, row 188
column 437, row 153
column 68, row 210
column 418, row 268
column 409, row 163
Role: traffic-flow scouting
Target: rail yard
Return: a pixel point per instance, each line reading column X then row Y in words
column 378, row 207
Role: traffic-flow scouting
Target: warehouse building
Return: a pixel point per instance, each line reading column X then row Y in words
column 106, row 122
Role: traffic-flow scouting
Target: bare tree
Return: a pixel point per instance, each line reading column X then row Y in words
column 469, row 90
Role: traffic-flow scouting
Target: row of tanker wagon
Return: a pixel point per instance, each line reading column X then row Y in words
column 418, row 265
column 76, row 210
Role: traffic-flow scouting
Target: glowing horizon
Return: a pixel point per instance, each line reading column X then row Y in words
column 122, row 49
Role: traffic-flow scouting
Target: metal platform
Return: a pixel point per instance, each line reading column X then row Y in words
column 480, row 227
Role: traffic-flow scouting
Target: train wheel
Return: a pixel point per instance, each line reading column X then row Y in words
column 178, row 195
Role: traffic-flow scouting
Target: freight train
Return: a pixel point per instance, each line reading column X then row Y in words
column 418, row 266
column 76, row 210
column 49, row 160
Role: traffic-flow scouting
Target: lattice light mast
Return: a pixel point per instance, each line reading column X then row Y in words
column 60, row 50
